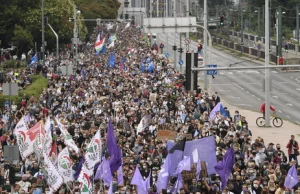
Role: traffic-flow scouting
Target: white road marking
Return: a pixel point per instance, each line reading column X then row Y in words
column 274, row 71
column 287, row 116
column 234, row 97
column 275, row 96
column 298, row 89
column 243, row 105
column 230, row 73
column 221, row 73
column 253, row 95
column 297, row 122
column 258, row 98
column 279, row 111
column 238, row 86
column 289, row 104
column 247, row 92
column 223, row 84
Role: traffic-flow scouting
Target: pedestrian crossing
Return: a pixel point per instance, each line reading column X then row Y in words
column 241, row 72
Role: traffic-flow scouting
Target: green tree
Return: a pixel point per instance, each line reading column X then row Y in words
column 22, row 39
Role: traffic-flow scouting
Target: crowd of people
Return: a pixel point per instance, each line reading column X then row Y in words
column 126, row 93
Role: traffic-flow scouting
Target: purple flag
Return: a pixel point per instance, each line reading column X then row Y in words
column 292, row 178
column 104, row 172
column 198, row 171
column 79, row 167
column 27, row 118
column 163, row 176
column 184, row 164
column 113, row 149
column 110, row 190
column 141, row 184
column 225, row 167
column 120, row 176
column 205, row 147
column 178, row 184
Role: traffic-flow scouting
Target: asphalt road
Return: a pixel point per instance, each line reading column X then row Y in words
column 244, row 88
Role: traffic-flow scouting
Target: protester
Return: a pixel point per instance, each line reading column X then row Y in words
column 104, row 126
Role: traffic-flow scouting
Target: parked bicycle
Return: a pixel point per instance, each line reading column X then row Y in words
column 277, row 121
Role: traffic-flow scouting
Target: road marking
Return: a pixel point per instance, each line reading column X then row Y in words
column 258, row 98
column 238, row 86
column 230, row 72
column 234, row 97
column 223, row 84
column 279, row 111
column 297, row 122
column 289, row 104
column 253, row 95
column 248, row 72
column 221, row 73
column 243, row 105
column 287, row 116
column 298, row 89
column 247, row 92
column 274, row 71
column 298, row 79
column 275, row 96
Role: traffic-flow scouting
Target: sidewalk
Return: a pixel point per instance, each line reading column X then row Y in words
column 275, row 135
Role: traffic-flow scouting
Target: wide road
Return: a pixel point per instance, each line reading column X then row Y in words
column 244, row 88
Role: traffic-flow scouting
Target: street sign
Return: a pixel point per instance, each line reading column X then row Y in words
column 10, row 89
column 167, row 55
column 187, row 41
column 180, row 62
column 212, row 72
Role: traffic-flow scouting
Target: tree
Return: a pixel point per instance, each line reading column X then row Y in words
column 22, row 39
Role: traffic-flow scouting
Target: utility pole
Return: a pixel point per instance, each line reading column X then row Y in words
column 205, row 44
column 227, row 21
column 187, row 15
column 75, row 35
column 267, row 61
column 297, row 23
column 43, row 34
column 258, row 19
column 175, row 56
column 242, row 26
column 279, row 32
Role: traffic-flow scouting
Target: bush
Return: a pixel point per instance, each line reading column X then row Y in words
column 39, row 82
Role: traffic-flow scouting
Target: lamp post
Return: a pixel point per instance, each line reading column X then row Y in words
column 75, row 31
column 43, row 33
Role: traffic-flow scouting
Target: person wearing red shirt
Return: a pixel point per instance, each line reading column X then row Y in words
column 263, row 108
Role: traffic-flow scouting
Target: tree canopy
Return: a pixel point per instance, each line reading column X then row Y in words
column 21, row 21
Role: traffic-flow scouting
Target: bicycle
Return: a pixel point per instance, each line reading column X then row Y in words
column 277, row 121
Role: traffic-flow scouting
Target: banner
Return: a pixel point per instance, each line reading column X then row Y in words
column 54, row 179
column 65, row 165
column 93, row 151
column 48, row 143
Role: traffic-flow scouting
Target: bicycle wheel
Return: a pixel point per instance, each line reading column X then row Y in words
column 260, row 121
column 277, row 122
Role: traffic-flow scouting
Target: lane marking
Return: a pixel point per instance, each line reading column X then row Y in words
column 279, row 111
column 298, row 89
column 258, row 98
column 235, row 97
column 275, row 96
column 230, row 72
column 253, row 95
column 247, row 92
column 289, row 104
column 297, row 122
column 238, row 86
column 243, row 105
column 274, row 71
column 288, row 116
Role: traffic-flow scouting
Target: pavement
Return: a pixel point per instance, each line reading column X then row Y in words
column 251, row 43
column 243, row 88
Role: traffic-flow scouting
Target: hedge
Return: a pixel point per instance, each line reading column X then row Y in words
column 39, row 82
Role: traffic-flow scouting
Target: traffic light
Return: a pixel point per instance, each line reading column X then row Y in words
column 174, row 48
column 154, row 36
column 199, row 47
column 222, row 21
column 180, row 50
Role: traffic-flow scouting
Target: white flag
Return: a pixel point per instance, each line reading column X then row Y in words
column 93, row 151
column 48, row 135
column 54, row 179
column 68, row 140
column 65, row 165
column 111, row 44
column 85, row 181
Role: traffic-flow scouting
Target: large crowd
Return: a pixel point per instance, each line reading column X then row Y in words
column 141, row 94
